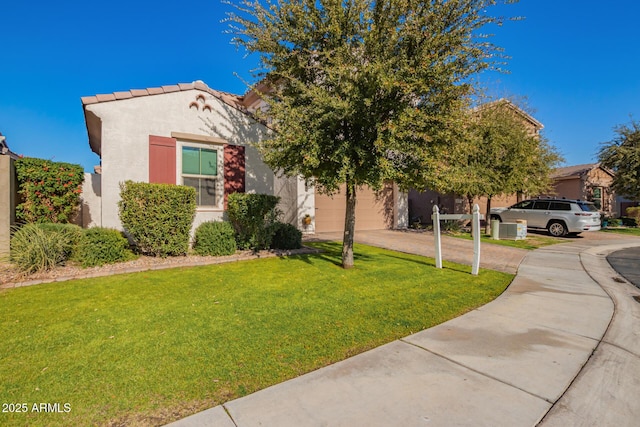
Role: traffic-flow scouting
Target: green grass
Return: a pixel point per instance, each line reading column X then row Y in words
column 532, row 241
column 629, row 231
column 151, row 347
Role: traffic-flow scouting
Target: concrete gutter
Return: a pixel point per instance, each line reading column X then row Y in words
column 605, row 393
column 559, row 347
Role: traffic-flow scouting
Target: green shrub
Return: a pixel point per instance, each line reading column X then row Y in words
column 612, row 222
column 215, row 238
column 35, row 249
column 158, row 217
column 252, row 216
column 100, row 246
column 452, row 226
column 629, row 222
column 286, row 236
column 634, row 213
column 69, row 235
column 50, row 191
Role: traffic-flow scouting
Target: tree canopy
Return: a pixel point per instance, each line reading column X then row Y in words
column 622, row 156
column 362, row 91
column 504, row 154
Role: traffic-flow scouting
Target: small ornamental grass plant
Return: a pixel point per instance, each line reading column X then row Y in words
column 69, row 235
column 215, row 238
column 41, row 247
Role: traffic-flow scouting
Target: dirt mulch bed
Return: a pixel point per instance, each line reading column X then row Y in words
column 10, row 277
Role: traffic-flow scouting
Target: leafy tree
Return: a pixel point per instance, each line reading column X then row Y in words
column 361, row 90
column 622, row 156
column 503, row 155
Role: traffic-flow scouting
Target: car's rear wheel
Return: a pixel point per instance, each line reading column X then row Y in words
column 557, row 228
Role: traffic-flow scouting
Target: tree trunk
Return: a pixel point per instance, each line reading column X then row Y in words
column 349, row 226
column 487, row 217
column 470, row 201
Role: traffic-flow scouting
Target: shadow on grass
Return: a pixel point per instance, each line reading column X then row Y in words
column 332, row 252
column 329, row 252
column 430, row 262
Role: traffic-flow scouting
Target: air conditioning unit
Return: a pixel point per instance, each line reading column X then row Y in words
column 513, row 231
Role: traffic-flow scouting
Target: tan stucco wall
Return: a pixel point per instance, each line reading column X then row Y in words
column 504, row 200
column 8, row 189
column 127, row 124
column 569, row 189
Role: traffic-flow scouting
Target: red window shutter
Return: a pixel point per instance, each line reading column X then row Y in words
column 162, row 160
column 233, row 170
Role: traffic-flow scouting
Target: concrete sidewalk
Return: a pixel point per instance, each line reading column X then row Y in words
column 560, row 347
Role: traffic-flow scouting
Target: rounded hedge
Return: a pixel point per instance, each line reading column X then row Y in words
column 286, row 236
column 215, row 238
column 100, row 246
column 158, row 217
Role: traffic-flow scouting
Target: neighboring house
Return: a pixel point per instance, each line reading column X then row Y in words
column 193, row 135
column 8, row 195
column 421, row 202
column 586, row 182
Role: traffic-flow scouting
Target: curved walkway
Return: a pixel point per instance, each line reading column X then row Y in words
column 559, row 347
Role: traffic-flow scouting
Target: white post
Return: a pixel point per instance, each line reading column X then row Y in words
column 475, row 230
column 436, row 234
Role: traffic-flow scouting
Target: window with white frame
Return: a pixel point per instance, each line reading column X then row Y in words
column 200, row 169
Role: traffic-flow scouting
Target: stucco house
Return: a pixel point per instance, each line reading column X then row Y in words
column 589, row 182
column 190, row 134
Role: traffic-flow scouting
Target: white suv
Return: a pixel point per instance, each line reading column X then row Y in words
column 559, row 216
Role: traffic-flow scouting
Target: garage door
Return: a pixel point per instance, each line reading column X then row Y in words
column 374, row 211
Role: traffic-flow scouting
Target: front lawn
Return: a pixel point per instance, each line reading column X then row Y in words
column 629, row 231
column 148, row 348
column 532, row 241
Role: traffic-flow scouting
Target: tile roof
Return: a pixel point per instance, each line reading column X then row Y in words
column 234, row 101
column 538, row 126
column 573, row 171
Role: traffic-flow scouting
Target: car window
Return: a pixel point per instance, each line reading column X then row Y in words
column 541, row 206
column 527, row 204
column 560, row 206
column 587, row 207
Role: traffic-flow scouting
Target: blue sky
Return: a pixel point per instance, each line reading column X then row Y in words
column 576, row 62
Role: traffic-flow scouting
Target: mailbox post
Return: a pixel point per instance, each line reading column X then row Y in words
column 475, row 231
